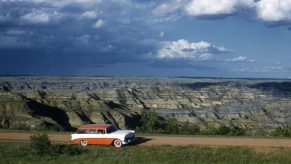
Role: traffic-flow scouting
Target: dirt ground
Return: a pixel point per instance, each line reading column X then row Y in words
column 168, row 140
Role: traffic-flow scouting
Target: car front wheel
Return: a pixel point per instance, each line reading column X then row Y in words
column 84, row 142
column 117, row 143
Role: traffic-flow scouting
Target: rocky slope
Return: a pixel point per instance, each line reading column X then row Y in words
column 71, row 101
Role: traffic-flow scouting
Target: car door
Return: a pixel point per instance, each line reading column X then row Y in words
column 102, row 138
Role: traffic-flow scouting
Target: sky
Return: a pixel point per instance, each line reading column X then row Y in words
column 199, row 38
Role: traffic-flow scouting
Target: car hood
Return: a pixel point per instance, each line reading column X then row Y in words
column 122, row 132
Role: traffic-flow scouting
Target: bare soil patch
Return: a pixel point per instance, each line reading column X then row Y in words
column 169, row 140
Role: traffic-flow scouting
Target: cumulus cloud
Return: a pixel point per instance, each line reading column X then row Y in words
column 216, row 8
column 183, row 49
column 99, row 23
column 274, row 10
column 210, row 7
column 264, row 10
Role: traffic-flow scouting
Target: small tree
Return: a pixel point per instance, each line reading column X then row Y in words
column 187, row 128
column 223, row 130
column 171, row 126
column 237, row 131
column 40, row 144
column 149, row 121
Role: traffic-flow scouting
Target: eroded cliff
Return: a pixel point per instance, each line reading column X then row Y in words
column 70, row 101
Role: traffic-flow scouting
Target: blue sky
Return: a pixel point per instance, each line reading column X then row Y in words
column 210, row 38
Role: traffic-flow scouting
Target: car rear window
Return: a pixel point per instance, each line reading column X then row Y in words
column 101, row 131
column 92, row 131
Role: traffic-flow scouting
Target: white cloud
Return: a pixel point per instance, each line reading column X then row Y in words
column 182, row 49
column 210, row 7
column 99, row 23
column 168, row 7
column 265, row 10
column 242, row 59
column 36, row 17
column 89, row 15
column 274, row 10
column 239, row 59
column 42, row 17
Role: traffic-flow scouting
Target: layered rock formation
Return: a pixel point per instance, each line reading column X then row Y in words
column 71, row 101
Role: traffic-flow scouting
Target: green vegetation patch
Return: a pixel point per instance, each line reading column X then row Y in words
column 151, row 124
column 22, row 153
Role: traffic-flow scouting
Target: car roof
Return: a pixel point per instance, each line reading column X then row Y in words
column 98, row 126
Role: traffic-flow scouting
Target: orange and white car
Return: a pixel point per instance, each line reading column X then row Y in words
column 105, row 134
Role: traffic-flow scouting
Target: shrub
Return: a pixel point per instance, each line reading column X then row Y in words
column 281, row 132
column 209, row 131
column 171, row 126
column 223, row 130
column 236, row 131
column 149, row 121
column 65, row 149
column 190, row 129
column 40, row 144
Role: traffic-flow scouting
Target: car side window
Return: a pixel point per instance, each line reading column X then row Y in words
column 81, row 131
column 92, row 131
column 100, row 131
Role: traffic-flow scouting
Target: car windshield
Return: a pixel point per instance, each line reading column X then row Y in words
column 111, row 129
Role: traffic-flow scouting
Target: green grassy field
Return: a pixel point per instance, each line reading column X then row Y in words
column 21, row 153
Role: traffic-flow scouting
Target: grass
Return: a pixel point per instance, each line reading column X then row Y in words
column 21, row 153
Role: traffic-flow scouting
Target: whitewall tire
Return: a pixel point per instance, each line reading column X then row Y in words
column 117, row 143
column 84, row 142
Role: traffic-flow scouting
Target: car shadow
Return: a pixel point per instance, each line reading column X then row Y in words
column 140, row 140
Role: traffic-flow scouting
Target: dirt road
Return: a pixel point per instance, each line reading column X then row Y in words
column 168, row 140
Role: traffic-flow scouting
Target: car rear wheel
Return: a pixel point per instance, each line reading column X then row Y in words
column 84, row 142
column 117, row 143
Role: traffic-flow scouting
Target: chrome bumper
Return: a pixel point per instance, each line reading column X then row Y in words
column 129, row 140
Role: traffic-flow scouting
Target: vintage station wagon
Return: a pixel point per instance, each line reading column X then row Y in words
column 105, row 134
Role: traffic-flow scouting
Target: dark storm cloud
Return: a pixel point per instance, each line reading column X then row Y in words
column 64, row 36
column 42, row 34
